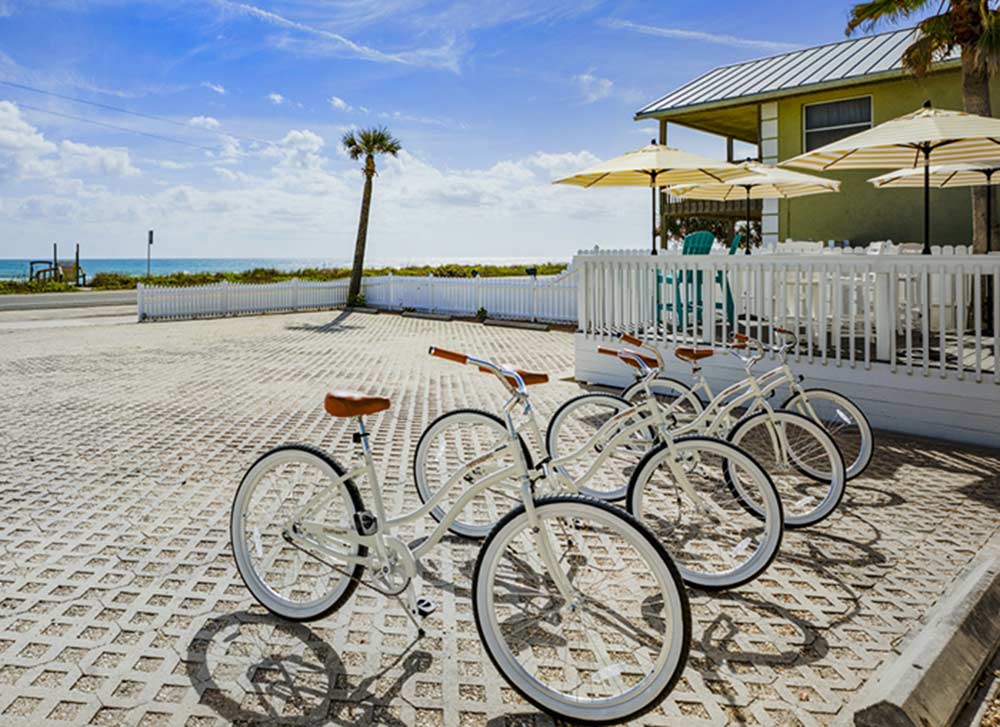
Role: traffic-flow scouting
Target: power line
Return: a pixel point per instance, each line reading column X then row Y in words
column 116, row 128
column 139, row 114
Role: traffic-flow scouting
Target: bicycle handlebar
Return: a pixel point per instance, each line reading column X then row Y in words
column 514, row 379
column 645, row 364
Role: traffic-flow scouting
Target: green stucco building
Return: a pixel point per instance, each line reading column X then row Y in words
column 796, row 101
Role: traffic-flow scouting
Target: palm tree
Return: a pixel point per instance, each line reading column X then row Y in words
column 367, row 143
column 970, row 25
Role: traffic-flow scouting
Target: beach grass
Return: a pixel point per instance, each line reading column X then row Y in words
column 117, row 281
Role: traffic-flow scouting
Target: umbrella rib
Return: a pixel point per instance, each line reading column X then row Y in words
column 950, row 177
column 588, row 186
column 838, row 159
column 717, row 179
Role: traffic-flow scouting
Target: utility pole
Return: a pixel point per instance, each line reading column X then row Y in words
column 149, row 250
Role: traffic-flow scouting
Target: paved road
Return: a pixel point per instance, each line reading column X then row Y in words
column 36, row 301
column 120, row 450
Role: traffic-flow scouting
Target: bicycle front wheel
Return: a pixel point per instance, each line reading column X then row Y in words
column 843, row 420
column 448, row 444
column 282, row 577
column 802, row 460
column 681, row 492
column 585, row 614
column 574, row 428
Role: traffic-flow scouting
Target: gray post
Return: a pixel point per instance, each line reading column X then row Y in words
column 149, row 249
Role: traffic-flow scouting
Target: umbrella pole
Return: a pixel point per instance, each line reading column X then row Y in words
column 747, row 241
column 652, row 184
column 989, row 211
column 927, row 199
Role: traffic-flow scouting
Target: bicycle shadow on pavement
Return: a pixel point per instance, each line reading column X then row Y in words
column 254, row 668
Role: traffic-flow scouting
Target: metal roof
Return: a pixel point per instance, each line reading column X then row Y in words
column 855, row 58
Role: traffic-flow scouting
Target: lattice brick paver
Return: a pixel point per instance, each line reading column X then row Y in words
column 120, row 449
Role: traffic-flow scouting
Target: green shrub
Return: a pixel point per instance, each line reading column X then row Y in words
column 117, row 281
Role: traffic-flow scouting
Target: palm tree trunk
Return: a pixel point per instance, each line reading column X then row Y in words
column 359, row 246
column 976, row 98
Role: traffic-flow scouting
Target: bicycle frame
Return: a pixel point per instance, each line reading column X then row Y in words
column 381, row 541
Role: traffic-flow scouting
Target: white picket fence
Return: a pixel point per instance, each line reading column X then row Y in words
column 551, row 299
column 905, row 333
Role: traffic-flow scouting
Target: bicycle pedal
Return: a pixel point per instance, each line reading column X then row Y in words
column 365, row 522
column 425, row 607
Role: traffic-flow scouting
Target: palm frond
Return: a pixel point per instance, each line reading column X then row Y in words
column 372, row 141
column 352, row 145
column 988, row 44
column 869, row 15
column 936, row 41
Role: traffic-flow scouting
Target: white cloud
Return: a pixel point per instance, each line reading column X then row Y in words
column 276, row 98
column 320, row 41
column 214, row 87
column 700, row 36
column 299, row 197
column 96, row 160
column 204, row 122
column 421, row 119
column 6, row 8
column 339, row 104
column 593, row 88
column 26, row 154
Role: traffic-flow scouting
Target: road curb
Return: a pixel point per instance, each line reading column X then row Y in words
column 524, row 325
column 928, row 683
column 426, row 316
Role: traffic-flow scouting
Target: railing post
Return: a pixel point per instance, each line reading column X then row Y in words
column 139, row 295
column 430, row 292
column 534, row 297
column 392, row 291
column 225, row 297
column 582, row 291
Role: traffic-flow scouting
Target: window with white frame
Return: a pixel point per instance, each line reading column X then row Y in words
column 825, row 123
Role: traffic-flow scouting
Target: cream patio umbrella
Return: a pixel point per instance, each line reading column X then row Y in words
column 759, row 181
column 946, row 176
column 911, row 142
column 654, row 165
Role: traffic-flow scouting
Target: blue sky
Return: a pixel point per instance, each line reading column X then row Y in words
column 491, row 101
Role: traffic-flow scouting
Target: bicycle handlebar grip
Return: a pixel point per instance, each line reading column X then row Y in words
column 742, row 338
column 740, row 345
column 784, row 331
column 449, row 355
column 631, row 340
column 607, row 351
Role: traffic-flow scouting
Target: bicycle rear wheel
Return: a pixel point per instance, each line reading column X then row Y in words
column 572, row 427
column 283, row 578
column 675, row 397
column 802, row 460
column 843, row 420
column 681, row 492
column 448, row 444
column 613, row 646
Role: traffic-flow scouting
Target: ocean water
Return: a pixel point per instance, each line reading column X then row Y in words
column 17, row 269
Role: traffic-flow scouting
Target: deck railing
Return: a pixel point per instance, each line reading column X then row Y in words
column 919, row 314
column 551, row 299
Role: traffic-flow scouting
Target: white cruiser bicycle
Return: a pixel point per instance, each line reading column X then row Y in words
column 578, row 605
column 797, row 450
column 712, row 506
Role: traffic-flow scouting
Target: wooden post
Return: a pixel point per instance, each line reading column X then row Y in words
column 149, row 249
column 729, row 149
column 76, row 265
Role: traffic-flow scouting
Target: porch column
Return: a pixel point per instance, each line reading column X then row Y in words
column 768, row 141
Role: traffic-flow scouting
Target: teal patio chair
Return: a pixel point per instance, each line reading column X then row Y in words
column 696, row 243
